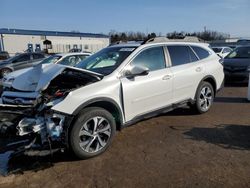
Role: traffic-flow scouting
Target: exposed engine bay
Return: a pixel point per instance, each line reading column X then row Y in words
column 25, row 106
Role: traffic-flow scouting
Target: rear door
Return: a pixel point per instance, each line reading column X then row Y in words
column 187, row 71
column 144, row 94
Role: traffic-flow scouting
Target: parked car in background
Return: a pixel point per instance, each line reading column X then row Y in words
column 69, row 59
column 222, row 51
column 74, row 50
column 237, row 64
column 4, row 55
column 19, row 61
column 83, row 106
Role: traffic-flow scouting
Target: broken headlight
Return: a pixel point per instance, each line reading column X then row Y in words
column 54, row 125
column 49, row 126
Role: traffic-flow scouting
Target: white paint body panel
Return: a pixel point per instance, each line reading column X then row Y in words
column 143, row 94
column 108, row 87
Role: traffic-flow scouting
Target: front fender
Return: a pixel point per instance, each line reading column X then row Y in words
column 79, row 98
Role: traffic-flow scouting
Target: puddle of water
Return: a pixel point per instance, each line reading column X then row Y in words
column 4, row 160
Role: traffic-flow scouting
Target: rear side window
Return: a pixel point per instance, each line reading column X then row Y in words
column 181, row 55
column 152, row 58
column 202, row 53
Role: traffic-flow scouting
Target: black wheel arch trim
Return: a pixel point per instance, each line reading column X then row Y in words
column 7, row 67
column 212, row 77
column 100, row 99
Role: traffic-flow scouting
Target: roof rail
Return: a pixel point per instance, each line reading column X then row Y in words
column 161, row 39
column 165, row 39
column 127, row 42
column 156, row 39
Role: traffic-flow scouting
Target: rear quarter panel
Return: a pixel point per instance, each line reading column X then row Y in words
column 215, row 69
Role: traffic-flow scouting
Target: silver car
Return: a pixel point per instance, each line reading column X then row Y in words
column 19, row 61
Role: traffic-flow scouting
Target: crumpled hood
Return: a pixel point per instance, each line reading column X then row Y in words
column 38, row 78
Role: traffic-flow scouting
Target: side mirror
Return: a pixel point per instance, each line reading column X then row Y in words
column 136, row 71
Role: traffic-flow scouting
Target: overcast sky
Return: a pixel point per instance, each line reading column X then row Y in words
column 100, row 16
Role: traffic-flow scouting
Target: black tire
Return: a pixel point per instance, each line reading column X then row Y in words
column 84, row 123
column 4, row 71
column 200, row 106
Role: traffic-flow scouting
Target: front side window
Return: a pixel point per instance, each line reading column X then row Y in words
column 181, row 55
column 22, row 58
column 240, row 52
column 152, row 58
column 106, row 60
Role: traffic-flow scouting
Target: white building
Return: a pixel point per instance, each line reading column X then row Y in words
column 18, row 40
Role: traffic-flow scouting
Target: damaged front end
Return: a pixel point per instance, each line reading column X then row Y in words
column 26, row 102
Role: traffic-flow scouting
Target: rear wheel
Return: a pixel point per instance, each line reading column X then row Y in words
column 204, row 97
column 92, row 132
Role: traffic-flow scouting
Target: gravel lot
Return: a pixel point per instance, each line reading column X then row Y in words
column 177, row 149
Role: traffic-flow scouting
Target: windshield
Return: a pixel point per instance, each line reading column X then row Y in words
column 106, row 60
column 217, row 50
column 240, row 52
column 51, row 59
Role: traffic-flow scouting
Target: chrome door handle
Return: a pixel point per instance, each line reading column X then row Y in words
column 166, row 77
column 198, row 69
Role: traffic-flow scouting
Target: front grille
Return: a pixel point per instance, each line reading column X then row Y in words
column 21, row 98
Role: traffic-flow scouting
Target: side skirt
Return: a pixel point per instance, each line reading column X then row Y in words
column 157, row 112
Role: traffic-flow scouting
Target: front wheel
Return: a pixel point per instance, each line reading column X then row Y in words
column 204, row 97
column 92, row 132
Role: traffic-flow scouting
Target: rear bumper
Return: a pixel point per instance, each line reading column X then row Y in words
column 221, row 86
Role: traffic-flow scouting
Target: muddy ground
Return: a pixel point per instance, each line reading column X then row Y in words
column 177, row 149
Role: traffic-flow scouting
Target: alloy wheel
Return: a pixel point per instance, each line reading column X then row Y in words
column 206, row 98
column 94, row 134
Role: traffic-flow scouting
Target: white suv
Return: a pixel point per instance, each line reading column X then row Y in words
column 83, row 107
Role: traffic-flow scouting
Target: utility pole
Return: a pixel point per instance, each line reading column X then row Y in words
column 1, row 43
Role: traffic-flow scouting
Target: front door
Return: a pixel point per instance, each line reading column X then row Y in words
column 144, row 94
